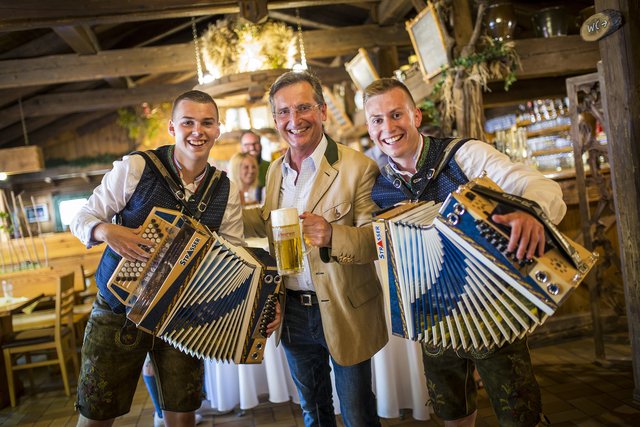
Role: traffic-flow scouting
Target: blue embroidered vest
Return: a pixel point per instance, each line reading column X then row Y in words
column 152, row 192
column 390, row 188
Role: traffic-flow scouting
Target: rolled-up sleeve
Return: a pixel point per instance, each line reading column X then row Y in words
column 109, row 198
column 514, row 178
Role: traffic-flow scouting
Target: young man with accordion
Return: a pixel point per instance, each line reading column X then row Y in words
column 114, row 349
column 427, row 168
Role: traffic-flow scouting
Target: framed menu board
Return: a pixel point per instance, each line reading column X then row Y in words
column 429, row 43
column 361, row 70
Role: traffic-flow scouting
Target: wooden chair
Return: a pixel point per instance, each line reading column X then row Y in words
column 84, row 301
column 88, row 294
column 58, row 340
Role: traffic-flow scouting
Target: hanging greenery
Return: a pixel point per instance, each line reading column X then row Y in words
column 495, row 61
column 231, row 47
column 145, row 124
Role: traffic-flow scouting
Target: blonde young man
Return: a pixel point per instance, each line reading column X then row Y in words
column 334, row 308
column 392, row 121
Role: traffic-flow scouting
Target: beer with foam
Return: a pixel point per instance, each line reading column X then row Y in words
column 287, row 240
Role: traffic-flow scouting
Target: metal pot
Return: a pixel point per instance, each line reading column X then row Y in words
column 500, row 21
column 551, row 22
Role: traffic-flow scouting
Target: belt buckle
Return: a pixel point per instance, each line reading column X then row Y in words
column 305, row 299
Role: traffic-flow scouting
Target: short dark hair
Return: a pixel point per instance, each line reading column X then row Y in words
column 293, row 77
column 384, row 85
column 195, row 96
column 249, row 132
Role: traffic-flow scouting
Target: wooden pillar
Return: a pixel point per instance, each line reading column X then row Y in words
column 388, row 61
column 620, row 53
column 463, row 24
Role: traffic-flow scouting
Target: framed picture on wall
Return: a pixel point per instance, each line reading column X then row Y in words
column 429, row 42
column 335, row 111
column 361, row 70
column 37, row 213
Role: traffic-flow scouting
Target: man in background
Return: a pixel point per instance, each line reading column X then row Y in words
column 250, row 143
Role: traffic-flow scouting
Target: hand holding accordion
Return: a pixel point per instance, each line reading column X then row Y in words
column 198, row 292
column 451, row 281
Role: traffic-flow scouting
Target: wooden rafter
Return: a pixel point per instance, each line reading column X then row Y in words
column 172, row 58
column 29, row 14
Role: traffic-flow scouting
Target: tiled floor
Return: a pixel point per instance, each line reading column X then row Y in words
column 575, row 392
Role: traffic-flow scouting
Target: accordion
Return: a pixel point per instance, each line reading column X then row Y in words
column 198, row 292
column 451, row 281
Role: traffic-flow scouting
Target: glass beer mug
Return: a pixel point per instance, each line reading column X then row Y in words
column 287, row 240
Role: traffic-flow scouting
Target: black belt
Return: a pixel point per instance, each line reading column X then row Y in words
column 305, row 297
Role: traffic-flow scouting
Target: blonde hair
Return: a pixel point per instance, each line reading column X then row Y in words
column 234, row 168
column 384, row 85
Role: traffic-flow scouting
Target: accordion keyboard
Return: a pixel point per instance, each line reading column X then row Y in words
column 128, row 274
column 132, row 270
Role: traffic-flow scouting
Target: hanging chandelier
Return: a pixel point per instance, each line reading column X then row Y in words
column 231, row 47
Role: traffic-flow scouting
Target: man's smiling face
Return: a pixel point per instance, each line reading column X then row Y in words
column 392, row 122
column 195, row 128
column 299, row 117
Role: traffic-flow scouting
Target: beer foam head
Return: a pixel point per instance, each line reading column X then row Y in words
column 284, row 216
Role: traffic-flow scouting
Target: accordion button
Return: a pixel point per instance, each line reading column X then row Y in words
column 397, row 183
column 541, row 276
column 553, row 289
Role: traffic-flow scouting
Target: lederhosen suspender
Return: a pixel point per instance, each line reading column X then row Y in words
column 441, row 162
column 177, row 190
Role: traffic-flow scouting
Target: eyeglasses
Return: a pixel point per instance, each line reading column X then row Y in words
column 301, row 109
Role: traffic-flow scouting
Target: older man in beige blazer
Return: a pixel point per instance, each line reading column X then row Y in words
column 334, row 308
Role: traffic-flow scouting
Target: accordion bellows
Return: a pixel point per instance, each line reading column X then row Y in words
column 198, row 292
column 451, row 281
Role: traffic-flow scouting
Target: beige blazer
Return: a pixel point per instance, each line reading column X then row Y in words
column 350, row 295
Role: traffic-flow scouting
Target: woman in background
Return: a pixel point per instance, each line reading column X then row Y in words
column 243, row 171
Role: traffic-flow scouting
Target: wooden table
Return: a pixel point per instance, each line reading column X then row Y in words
column 7, row 310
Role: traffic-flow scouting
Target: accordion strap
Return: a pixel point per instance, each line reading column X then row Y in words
column 177, row 190
column 442, row 161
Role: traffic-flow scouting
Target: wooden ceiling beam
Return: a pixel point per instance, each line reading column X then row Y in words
column 84, row 41
column 81, row 39
column 70, row 123
column 30, row 14
column 392, row 11
column 101, row 99
column 54, row 104
column 289, row 19
column 174, row 58
column 15, row 133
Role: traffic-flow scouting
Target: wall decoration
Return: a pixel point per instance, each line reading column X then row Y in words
column 361, row 70
column 37, row 213
column 429, row 42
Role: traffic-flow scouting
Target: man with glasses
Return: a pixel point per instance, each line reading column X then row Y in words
column 334, row 309
column 114, row 350
column 250, row 143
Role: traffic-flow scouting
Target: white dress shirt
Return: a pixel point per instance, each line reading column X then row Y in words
column 294, row 193
column 514, row 178
column 475, row 157
column 117, row 187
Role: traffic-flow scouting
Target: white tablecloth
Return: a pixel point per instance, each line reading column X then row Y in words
column 398, row 379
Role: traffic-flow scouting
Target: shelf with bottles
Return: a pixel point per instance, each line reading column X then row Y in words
column 537, row 133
